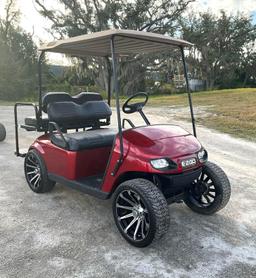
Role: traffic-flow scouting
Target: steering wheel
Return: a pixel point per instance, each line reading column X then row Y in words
column 135, row 107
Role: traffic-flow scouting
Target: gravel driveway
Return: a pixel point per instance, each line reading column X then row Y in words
column 68, row 234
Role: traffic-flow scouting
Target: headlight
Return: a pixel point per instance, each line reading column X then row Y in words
column 163, row 164
column 160, row 163
column 202, row 155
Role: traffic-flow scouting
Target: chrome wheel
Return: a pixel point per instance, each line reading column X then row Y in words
column 132, row 215
column 33, row 171
column 140, row 211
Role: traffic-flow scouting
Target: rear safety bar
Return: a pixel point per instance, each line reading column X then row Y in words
column 17, row 151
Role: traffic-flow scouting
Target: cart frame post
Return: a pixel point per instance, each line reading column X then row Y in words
column 188, row 91
column 116, row 89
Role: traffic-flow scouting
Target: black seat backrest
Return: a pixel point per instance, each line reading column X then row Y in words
column 70, row 115
column 54, row 97
column 86, row 96
column 81, row 98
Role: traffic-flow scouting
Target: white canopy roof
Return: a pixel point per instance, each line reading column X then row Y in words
column 126, row 42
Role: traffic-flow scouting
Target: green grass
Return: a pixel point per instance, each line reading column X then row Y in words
column 232, row 111
column 6, row 103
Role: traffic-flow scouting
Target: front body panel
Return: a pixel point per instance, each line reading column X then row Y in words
column 143, row 144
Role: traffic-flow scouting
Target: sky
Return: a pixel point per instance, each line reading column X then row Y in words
column 34, row 23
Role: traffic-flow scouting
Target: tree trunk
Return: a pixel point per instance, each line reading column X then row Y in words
column 245, row 79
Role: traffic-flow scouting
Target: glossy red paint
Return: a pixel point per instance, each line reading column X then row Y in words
column 72, row 165
column 143, row 144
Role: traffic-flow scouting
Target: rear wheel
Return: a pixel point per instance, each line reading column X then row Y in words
column 2, row 132
column 210, row 192
column 36, row 173
column 140, row 212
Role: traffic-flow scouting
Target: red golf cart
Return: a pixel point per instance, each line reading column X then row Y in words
column 143, row 168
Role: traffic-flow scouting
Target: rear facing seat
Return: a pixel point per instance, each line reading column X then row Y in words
column 84, row 97
column 52, row 97
column 71, row 115
column 47, row 98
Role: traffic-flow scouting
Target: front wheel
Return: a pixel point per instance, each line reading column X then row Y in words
column 210, row 192
column 140, row 212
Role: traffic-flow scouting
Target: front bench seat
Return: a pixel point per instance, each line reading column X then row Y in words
column 71, row 115
column 89, row 139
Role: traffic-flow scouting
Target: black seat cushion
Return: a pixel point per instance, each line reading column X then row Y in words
column 89, row 139
column 72, row 115
column 32, row 121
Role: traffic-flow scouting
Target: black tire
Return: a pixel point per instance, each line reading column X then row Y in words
column 146, row 204
column 210, row 192
column 2, row 132
column 36, row 173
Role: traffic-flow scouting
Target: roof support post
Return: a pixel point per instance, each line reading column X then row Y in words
column 116, row 89
column 108, row 89
column 40, row 90
column 188, row 90
column 108, row 67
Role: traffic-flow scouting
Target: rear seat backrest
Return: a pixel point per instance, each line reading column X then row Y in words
column 71, row 115
column 81, row 98
column 86, row 96
column 54, row 97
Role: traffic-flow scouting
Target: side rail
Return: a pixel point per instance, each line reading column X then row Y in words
column 17, row 151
